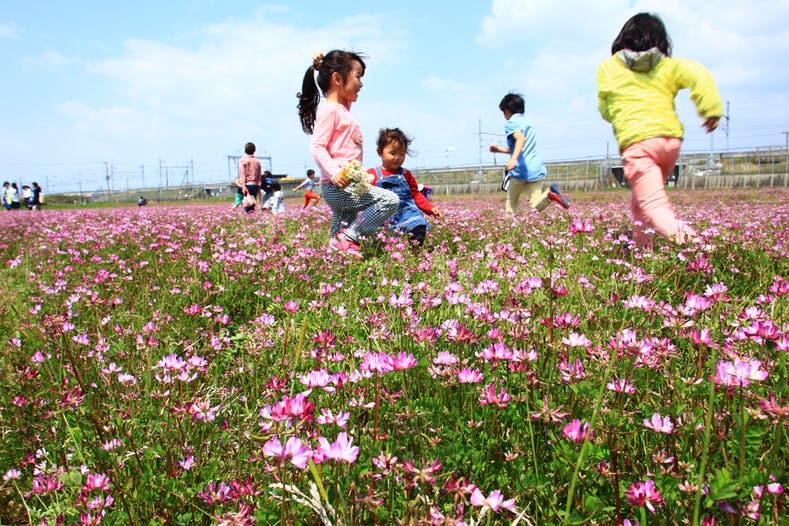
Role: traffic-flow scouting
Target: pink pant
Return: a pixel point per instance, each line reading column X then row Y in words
column 647, row 164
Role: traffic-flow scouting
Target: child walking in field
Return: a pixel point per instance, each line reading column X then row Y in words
column 636, row 88
column 524, row 170
column 249, row 175
column 393, row 146
column 337, row 149
column 239, row 195
column 309, row 184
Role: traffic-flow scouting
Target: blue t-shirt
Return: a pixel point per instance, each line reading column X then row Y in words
column 530, row 166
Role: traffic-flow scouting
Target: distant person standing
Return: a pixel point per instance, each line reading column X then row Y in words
column 636, row 88
column 239, row 195
column 37, row 197
column 249, row 174
column 27, row 197
column 142, row 201
column 267, row 188
column 309, row 184
column 6, row 195
column 276, row 202
column 15, row 202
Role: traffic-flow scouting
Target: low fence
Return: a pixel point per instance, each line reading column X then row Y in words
column 757, row 168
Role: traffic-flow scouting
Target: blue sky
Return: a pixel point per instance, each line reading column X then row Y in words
column 90, row 84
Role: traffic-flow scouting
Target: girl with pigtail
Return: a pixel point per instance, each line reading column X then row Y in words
column 358, row 208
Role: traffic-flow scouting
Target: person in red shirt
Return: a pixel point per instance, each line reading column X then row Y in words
column 249, row 174
column 393, row 146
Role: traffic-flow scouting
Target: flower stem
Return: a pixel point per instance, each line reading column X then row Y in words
column 315, row 470
column 742, row 435
column 531, row 434
column 704, row 452
column 592, row 423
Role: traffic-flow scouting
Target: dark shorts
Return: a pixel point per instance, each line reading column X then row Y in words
column 253, row 189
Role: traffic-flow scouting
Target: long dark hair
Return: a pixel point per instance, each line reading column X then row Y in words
column 334, row 61
column 642, row 32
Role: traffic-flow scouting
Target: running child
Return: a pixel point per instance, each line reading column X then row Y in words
column 337, row 145
column 524, row 170
column 309, row 184
column 636, row 88
column 393, row 145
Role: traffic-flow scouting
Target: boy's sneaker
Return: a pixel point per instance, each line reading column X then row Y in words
column 554, row 194
column 340, row 243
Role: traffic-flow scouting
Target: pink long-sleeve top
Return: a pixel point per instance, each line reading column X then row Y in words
column 249, row 170
column 336, row 139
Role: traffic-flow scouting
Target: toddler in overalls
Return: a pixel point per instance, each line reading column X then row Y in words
column 393, row 146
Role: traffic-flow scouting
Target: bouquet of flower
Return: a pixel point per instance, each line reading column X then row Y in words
column 359, row 179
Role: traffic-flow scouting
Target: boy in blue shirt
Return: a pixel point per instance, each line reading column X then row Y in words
column 524, row 170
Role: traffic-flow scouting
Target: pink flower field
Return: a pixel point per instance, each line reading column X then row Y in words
column 196, row 365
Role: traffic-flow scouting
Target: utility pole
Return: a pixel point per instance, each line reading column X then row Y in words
column 479, row 135
column 107, row 175
column 711, row 161
column 786, row 152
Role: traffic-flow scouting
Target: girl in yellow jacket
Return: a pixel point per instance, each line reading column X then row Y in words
column 636, row 88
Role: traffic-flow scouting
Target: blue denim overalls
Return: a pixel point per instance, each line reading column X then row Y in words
column 408, row 216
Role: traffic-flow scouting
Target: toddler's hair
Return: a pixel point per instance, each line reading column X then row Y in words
column 334, row 61
column 276, row 186
column 310, row 172
column 249, row 148
column 512, row 102
column 641, row 33
column 387, row 135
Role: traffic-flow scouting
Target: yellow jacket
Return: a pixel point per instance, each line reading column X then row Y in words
column 636, row 94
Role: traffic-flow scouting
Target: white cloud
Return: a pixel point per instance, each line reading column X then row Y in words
column 115, row 120
column 444, row 84
column 54, row 60
column 235, row 81
column 9, row 31
column 547, row 22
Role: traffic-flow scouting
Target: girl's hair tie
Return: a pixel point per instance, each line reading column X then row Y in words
column 317, row 61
